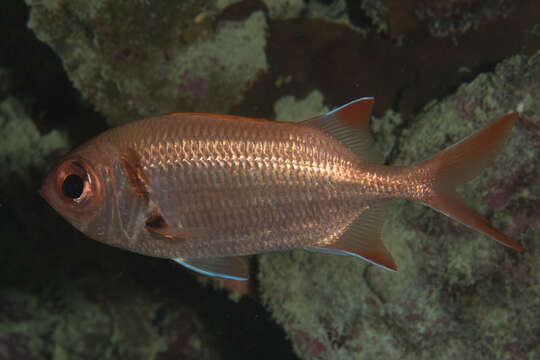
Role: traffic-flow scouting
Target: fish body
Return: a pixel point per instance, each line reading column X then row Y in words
column 207, row 189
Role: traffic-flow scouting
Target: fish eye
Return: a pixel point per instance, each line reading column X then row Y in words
column 73, row 186
column 77, row 184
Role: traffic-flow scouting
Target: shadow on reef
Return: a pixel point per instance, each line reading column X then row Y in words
column 89, row 301
column 36, row 75
column 403, row 70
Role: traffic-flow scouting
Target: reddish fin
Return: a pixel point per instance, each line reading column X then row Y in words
column 157, row 225
column 462, row 162
column 171, row 233
column 355, row 113
column 448, row 202
column 466, row 159
column 235, row 268
column 350, row 125
column 363, row 239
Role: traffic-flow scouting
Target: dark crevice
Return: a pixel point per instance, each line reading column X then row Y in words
column 398, row 130
column 357, row 15
column 37, row 77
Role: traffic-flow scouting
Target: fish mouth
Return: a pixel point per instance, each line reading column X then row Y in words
column 41, row 191
column 44, row 190
column 44, row 195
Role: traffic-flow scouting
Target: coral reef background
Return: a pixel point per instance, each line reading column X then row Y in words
column 438, row 71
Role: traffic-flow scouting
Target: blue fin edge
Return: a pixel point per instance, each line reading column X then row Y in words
column 209, row 273
column 349, row 103
column 345, row 253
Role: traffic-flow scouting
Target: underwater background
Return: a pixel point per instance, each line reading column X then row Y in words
column 438, row 70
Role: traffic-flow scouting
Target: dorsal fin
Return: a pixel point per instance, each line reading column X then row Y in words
column 363, row 238
column 350, row 125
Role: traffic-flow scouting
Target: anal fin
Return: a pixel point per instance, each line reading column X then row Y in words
column 235, row 268
column 363, row 239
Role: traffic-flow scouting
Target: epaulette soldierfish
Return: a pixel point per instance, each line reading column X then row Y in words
column 206, row 190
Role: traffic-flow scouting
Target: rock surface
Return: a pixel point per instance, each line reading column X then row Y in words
column 457, row 293
column 135, row 59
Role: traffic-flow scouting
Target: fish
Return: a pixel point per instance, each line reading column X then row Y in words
column 208, row 191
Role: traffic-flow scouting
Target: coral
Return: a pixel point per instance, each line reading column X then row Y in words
column 133, row 59
column 285, row 9
column 450, row 18
column 377, row 11
column 288, row 108
column 331, row 11
column 446, row 18
column 343, row 64
column 98, row 319
column 137, row 59
column 457, row 292
column 385, row 129
column 23, row 148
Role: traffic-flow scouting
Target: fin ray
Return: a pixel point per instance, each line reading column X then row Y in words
column 172, row 233
column 363, row 238
column 235, row 268
column 350, row 125
column 462, row 162
column 450, row 204
column 158, row 226
column 466, row 159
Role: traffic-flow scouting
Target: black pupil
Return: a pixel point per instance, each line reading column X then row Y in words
column 73, row 186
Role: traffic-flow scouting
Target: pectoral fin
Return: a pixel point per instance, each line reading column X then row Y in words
column 172, row 233
column 236, row 268
column 157, row 225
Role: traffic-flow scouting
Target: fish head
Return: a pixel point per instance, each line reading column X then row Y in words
column 76, row 189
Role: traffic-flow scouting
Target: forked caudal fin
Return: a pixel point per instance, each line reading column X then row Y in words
column 462, row 162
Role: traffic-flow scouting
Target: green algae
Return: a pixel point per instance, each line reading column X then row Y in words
column 289, row 108
column 73, row 324
column 447, row 297
column 137, row 59
column 23, row 147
